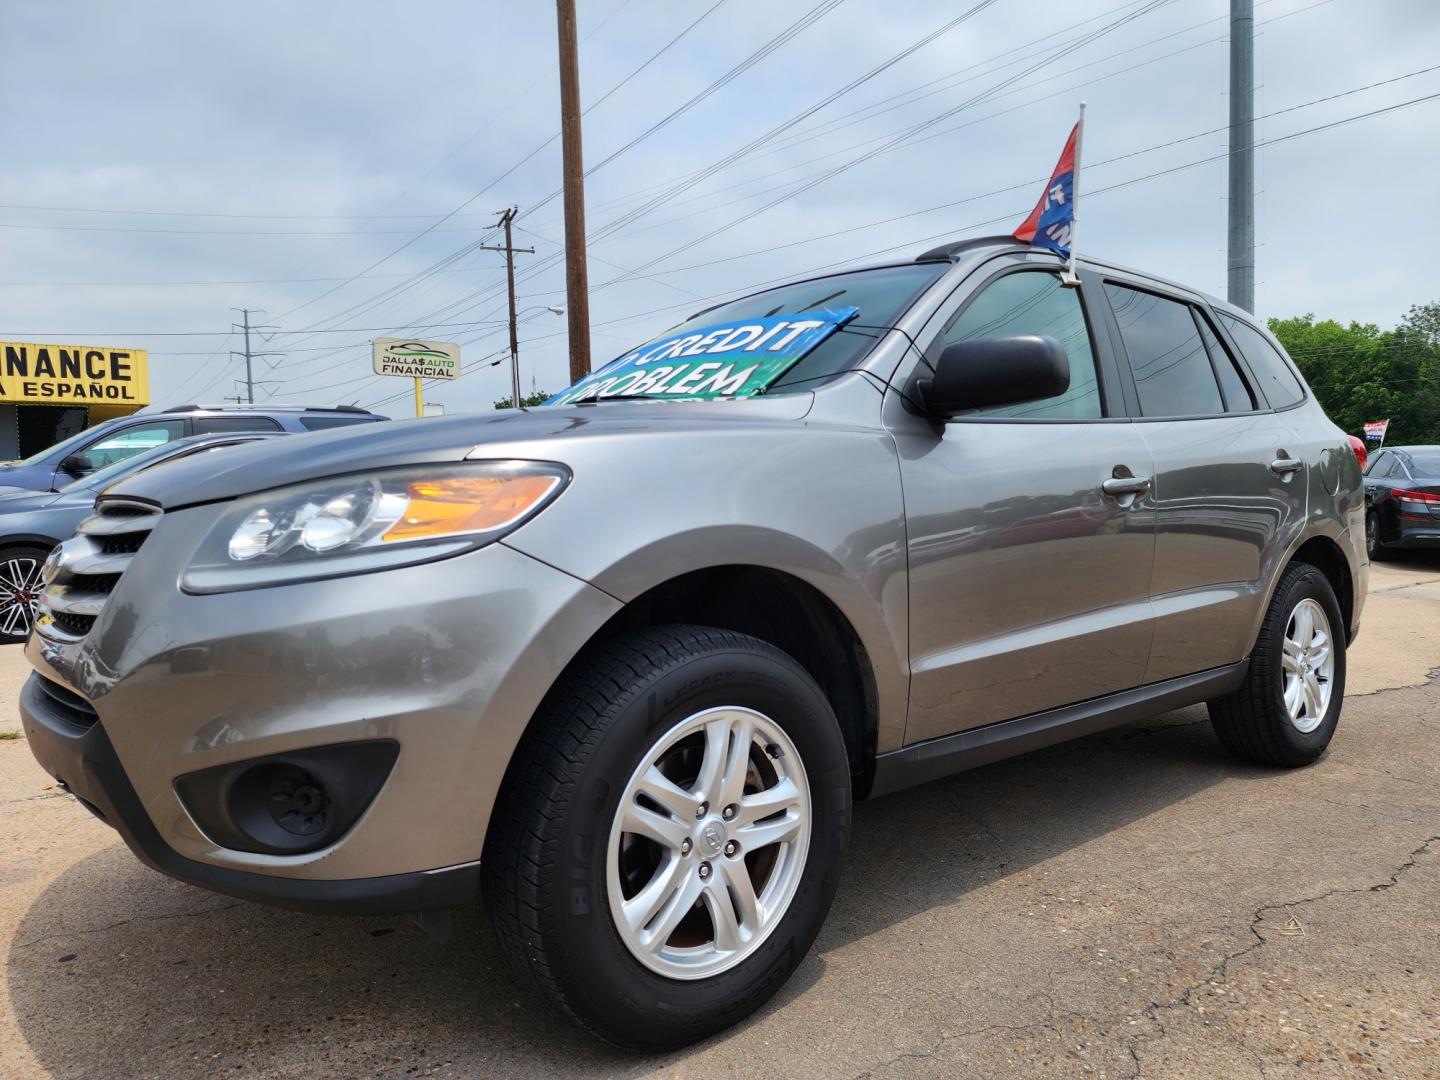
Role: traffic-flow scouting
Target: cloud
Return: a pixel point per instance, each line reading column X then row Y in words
column 327, row 114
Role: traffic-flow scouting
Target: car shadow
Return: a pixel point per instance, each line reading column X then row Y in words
column 117, row 970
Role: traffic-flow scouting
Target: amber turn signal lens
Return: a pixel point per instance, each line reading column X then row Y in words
column 466, row 504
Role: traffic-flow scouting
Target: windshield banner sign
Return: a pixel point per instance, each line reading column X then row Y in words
column 733, row 359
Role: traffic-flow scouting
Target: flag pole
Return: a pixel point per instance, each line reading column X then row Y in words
column 1069, row 278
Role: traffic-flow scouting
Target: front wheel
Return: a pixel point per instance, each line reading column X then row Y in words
column 668, row 838
column 1286, row 711
column 20, row 587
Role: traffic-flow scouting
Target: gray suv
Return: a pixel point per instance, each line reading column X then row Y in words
column 620, row 666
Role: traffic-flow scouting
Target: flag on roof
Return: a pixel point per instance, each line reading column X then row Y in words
column 1052, row 222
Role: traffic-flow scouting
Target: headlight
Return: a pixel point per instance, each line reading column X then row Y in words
column 358, row 524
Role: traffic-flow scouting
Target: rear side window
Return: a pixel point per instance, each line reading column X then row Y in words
column 1238, row 397
column 1172, row 369
column 1381, row 465
column 321, row 423
column 210, row 425
column 1034, row 302
column 1277, row 382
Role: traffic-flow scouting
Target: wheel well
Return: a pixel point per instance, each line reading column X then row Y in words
column 790, row 614
column 1325, row 555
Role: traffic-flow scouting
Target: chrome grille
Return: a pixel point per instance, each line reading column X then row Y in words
column 82, row 572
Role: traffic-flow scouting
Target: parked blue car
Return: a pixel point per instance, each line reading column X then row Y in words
column 115, row 440
column 33, row 522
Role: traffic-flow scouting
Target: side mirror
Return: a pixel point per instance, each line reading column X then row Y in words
column 77, row 465
column 996, row 371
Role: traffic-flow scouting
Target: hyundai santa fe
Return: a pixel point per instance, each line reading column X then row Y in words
column 620, row 665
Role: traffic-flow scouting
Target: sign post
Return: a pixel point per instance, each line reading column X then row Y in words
column 416, row 360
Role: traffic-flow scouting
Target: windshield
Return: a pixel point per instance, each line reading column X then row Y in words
column 787, row 336
column 882, row 295
column 1425, row 462
column 124, row 467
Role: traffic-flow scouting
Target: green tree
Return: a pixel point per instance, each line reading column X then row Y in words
column 1361, row 373
column 529, row 401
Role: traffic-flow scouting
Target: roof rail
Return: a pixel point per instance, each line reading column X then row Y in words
column 267, row 407
column 953, row 250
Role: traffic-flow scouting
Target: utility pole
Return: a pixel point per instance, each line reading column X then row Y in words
column 510, row 249
column 250, row 356
column 577, row 288
column 1240, row 286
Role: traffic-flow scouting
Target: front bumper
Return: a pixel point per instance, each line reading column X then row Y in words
column 448, row 659
column 75, row 750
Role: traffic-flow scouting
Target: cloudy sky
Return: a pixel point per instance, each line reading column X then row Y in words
column 336, row 164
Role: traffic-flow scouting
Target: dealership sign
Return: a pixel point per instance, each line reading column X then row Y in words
column 733, row 359
column 35, row 374
column 416, row 359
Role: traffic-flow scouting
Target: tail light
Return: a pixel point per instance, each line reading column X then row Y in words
column 1417, row 505
column 1357, row 445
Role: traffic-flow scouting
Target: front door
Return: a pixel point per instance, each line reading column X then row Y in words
column 1029, row 583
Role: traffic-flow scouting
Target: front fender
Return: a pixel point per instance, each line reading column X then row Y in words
column 822, row 504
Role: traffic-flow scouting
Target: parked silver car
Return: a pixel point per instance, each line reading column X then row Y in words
column 622, row 665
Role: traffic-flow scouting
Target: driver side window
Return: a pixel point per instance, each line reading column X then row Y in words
column 1034, row 302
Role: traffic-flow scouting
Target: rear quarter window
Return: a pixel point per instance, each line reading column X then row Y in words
column 1280, row 385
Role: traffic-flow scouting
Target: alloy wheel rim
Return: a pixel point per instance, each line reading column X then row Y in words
column 708, row 843
column 19, row 595
column 1308, row 661
column 1372, row 532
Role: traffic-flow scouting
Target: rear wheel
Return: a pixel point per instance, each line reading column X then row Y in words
column 1287, row 710
column 19, row 591
column 668, row 838
column 1374, row 548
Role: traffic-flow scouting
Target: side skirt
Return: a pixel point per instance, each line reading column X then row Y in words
column 934, row 758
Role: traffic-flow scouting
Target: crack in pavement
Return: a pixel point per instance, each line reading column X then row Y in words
column 1221, row 969
column 126, row 922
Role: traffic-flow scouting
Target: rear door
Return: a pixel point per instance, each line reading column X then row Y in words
column 1028, row 581
column 1230, row 481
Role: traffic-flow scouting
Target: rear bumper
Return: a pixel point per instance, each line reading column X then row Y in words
column 74, row 749
column 1416, row 535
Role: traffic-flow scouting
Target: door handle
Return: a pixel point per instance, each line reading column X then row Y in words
column 1284, row 466
column 1126, row 485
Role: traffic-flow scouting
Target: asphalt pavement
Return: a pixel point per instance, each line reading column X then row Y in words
column 1135, row 903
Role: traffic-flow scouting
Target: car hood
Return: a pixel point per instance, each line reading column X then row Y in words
column 540, row 433
column 24, row 501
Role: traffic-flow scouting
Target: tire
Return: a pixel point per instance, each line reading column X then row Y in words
column 19, row 585
column 558, row 862
column 1256, row 722
column 1374, row 548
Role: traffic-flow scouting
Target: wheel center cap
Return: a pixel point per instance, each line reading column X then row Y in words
column 711, row 838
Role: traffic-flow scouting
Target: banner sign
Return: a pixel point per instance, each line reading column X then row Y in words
column 1375, row 430
column 72, row 375
column 733, row 359
column 416, row 359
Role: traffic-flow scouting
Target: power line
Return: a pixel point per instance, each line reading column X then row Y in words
column 211, row 333
column 806, row 20
column 491, row 184
column 1013, row 214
